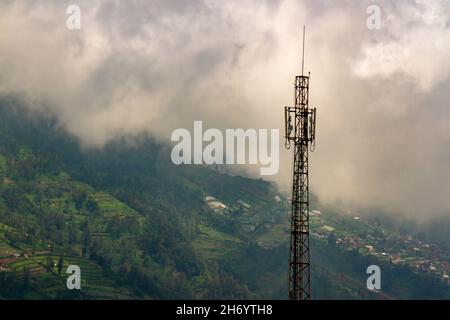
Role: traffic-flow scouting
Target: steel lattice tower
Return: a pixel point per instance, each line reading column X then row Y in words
column 302, row 134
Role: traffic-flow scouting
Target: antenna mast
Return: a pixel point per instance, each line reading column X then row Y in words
column 302, row 133
column 303, row 49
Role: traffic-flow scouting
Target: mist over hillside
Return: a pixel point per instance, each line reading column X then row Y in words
column 142, row 228
column 149, row 67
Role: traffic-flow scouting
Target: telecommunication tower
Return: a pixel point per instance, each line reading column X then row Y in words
column 300, row 129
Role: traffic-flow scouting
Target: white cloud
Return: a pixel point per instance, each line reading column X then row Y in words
column 415, row 43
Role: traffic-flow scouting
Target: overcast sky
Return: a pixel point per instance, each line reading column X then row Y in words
column 383, row 132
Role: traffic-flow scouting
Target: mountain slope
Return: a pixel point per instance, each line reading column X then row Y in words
column 142, row 228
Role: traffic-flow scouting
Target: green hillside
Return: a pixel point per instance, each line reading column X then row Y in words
column 141, row 228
